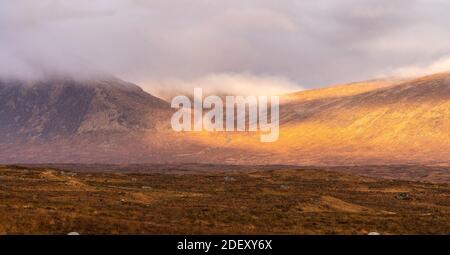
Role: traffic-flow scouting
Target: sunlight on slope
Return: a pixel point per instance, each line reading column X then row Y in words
column 340, row 90
column 391, row 126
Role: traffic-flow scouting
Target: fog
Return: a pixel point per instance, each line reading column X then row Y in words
column 254, row 45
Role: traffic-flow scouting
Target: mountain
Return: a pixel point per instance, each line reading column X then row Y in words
column 62, row 119
column 406, row 122
column 106, row 120
column 375, row 122
column 62, row 107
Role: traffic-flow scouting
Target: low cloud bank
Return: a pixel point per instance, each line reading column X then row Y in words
column 223, row 84
column 439, row 66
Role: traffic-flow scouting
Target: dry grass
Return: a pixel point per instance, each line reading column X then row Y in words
column 277, row 201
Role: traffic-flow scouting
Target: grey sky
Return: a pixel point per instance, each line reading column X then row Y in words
column 164, row 43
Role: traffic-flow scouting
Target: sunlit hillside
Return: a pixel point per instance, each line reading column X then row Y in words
column 360, row 123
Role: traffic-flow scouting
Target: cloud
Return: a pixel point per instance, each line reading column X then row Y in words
column 223, row 84
column 313, row 43
column 439, row 66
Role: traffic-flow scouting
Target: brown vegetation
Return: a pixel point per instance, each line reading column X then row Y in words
column 254, row 200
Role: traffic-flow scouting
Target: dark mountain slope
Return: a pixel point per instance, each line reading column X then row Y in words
column 65, row 107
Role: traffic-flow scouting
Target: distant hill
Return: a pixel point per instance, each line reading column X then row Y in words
column 107, row 120
column 374, row 122
column 405, row 122
column 60, row 107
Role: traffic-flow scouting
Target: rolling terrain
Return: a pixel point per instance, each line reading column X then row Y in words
column 99, row 157
column 208, row 199
column 106, row 120
column 368, row 123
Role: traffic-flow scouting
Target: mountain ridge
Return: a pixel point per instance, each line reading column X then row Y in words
column 111, row 121
column 65, row 106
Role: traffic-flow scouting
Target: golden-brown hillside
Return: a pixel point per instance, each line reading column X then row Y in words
column 361, row 123
column 375, row 122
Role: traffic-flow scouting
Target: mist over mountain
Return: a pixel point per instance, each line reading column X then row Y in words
column 107, row 120
column 152, row 42
column 62, row 106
